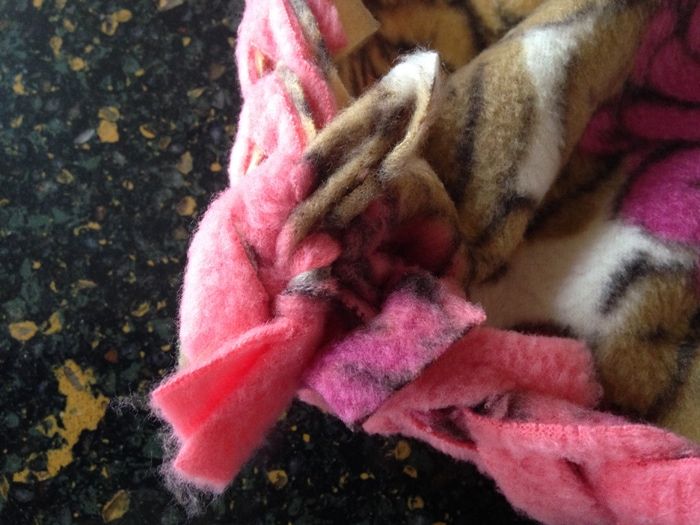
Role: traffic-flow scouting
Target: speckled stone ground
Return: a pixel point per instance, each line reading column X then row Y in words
column 115, row 122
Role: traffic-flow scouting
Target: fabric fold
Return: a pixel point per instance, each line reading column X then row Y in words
column 549, row 451
column 418, row 321
column 358, row 250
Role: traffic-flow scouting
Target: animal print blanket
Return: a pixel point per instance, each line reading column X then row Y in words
column 405, row 172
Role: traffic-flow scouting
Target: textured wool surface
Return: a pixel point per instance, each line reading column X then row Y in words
column 551, row 175
column 521, row 408
column 417, row 321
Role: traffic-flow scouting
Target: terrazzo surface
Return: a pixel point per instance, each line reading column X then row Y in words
column 115, row 123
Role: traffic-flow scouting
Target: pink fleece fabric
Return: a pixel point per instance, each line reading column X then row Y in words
column 260, row 320
column 255, row 311
column 521, row 408
column 245, row 345
column 656, row 123
column 417, row 322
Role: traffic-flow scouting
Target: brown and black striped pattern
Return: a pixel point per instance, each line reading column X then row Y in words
column 647, row 306
column 492, row 149
column 488, row 122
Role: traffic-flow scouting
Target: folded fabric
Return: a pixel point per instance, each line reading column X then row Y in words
column 417, row 322
column 552, row 175
column 519, row 407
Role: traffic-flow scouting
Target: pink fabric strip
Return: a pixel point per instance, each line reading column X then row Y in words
column 520, row 407
column 418, row 321
column 249, row 402
column 244, row 345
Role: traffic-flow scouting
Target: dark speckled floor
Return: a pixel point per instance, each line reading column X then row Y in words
column 115, row 122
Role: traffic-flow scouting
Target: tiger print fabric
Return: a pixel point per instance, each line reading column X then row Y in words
column 561, row 146
column 548, row 170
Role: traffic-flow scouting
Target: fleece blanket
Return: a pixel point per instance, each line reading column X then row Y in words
column 474, row 223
